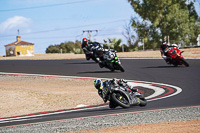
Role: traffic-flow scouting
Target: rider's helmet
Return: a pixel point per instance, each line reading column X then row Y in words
column 164, row 45
column 114, row 82
column 122, row 82
column 175, row 45
column 98, row 83
column 85, row 41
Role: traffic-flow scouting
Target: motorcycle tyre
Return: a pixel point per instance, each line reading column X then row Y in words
column 119, row 102
column 143, row 102
column 110, row 67
column 120, row 67
column 175, row 65
column 184, row 62
column 101, row 65
column 94, row 59
column 112, row 70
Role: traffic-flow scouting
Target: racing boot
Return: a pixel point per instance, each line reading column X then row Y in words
column 168, row 60
column 87, row 56
column 112, row 105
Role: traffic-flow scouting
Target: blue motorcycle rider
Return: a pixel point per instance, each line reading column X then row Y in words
column 102, row 86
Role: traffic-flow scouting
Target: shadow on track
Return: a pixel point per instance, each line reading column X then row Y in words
column 82, row 63
column 163, row 67
column 106, row 110
column 99, row 72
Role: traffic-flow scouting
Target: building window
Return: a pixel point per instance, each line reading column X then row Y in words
column 18, row 53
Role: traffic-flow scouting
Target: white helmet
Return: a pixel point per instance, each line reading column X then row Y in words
column 122, row 82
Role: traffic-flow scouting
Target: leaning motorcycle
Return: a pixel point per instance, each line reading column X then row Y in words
column 176, row 57
column 110, row 60
column 121, row 96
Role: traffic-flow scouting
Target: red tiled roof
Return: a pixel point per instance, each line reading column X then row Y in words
column 19, row 43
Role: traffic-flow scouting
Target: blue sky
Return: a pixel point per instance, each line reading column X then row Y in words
column 46, row 22
column 61, row 20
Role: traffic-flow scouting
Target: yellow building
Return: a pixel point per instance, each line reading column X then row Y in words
column 20, row 48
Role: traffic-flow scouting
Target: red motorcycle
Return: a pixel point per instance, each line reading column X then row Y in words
column 177, row 58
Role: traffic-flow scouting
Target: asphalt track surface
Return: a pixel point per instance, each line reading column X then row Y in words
column 152, row 70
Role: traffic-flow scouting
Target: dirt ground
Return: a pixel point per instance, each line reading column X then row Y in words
column 20, row 95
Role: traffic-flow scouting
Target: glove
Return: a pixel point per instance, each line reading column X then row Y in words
column 105, row 98
column 134, row 89
column 100, row 93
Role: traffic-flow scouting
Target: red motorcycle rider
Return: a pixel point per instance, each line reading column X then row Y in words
column 172, row 54
column 164, row 48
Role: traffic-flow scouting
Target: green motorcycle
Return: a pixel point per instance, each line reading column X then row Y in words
column 110, row 60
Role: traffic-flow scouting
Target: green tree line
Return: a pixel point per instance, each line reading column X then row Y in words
column 163, row 19
column 71, row 47
column 119, row 47
column 66, row 47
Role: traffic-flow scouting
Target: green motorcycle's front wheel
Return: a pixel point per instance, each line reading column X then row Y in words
column 121, row 98
column 120, row 67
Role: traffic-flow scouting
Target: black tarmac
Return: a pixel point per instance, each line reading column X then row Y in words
column 152, row 70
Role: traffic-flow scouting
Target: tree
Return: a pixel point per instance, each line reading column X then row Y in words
column 174, row 18
column 129, row 34
column 115, row 44
column 67, row 47
column 53, row 49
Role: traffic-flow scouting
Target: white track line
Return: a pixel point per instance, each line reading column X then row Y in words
column 40, row 115
column 157, row 90
column 179, row 90
column 153, row 58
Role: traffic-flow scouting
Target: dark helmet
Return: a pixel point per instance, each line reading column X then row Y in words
column 85, row 41
column 164, row 45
